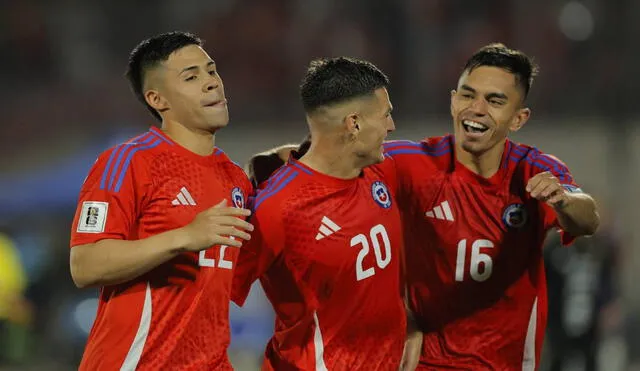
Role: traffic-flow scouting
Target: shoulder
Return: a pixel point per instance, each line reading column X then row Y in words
column 423, row 157
column 431, row 146
column 535, row 161
column 125, row 160
column 278, row 187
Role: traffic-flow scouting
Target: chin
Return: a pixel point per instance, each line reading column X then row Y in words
column 473, row 148
column 217, row 124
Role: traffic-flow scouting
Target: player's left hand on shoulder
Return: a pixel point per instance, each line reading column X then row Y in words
column 546, row 187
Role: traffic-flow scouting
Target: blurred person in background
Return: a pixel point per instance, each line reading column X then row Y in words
column 476, row 209
column 152, row 227
column 583, row 303
column 328, row 239
column 15, row 309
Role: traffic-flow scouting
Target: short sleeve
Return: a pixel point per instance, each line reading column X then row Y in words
column 540, row 163
column 401, row 152
column 108, row 202
column 257, row 254
column 411, row 159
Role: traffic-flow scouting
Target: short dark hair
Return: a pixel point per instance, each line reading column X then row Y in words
column 151, row 52
column 335, row 80
column 514, row 61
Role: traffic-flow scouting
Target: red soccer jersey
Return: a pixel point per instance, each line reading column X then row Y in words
column 327, row 252
column 474, row 262
column 175, row 316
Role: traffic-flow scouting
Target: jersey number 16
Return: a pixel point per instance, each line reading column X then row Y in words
column 480, row 266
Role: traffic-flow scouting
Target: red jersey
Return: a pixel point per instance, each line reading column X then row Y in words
column 327, row 252
column 176, row 315
column 474, row 262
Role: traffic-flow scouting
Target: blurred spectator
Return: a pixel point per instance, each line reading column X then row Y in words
column 15, row 310
column 582, row 298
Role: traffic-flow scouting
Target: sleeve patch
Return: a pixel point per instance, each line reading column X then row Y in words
column 571, row 188
column 93, row 217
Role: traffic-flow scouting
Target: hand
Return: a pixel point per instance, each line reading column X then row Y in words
column 216, row 226
column 412, row 351
column 547, row 188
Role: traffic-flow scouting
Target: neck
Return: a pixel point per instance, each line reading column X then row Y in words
column 485, row 164
column 198, row 141
column 329, row 156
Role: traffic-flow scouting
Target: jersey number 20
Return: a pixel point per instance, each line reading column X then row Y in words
column 376, row 234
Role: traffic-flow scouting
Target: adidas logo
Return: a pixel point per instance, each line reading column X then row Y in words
column 327, row 228
column 183, row 198
column 442, row 212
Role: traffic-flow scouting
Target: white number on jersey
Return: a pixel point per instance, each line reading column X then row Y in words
column 203, row 261
column 377, row 233
column 481, row 265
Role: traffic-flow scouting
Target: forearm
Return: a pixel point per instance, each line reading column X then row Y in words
column 578, row 215
column 109, row 262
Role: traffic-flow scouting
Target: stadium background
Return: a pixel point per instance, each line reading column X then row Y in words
column 63, row 100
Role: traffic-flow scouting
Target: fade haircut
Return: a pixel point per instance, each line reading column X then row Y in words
column 150, row 53
column 337, row 80
column 515, row 61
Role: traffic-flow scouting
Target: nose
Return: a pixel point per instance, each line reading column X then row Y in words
column 479, row 106
column 391, row 126
column 210, row 84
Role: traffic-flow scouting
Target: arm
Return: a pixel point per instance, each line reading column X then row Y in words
column 112, row 261
column 256, row 256
column 412, row 344
column 109, row 262
column 578, row 214
column 576, row 211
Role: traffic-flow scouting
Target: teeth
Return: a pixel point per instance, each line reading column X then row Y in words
column 475, row 125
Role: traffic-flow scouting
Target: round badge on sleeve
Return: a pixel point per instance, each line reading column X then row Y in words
column 515, row 216
column 381, row 194
column 237, row 197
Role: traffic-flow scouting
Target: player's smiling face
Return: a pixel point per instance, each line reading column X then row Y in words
column 486, row 106
column 193, row 89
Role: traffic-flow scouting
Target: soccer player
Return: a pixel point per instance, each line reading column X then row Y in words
column 153, row 228
column 477, row 208
column 327, row 240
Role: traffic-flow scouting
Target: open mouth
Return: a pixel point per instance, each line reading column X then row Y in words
column 474, row 127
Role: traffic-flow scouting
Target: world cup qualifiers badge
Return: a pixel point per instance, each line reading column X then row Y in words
column 380, row 194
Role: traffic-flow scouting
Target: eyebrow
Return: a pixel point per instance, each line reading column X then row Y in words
column 194, row 68
column 487, row 96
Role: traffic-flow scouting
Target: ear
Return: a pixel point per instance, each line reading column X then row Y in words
column 453, row 95
column 156, row 100
column 353, row 123
column 521, row 118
